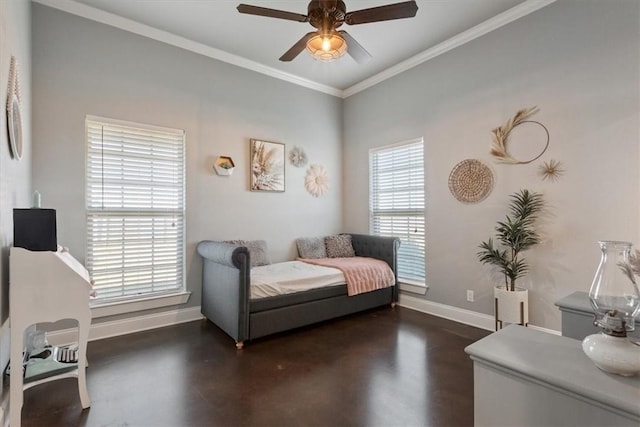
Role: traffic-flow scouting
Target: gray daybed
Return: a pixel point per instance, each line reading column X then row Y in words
column 225, row 292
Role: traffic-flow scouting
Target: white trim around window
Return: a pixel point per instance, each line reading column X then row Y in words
column 139, row 304
column 135, row 199
column 397, row 206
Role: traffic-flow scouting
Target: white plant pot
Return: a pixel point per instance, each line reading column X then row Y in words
column 224, row 166
column 511, row 306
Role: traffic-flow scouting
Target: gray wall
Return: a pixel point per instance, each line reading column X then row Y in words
column 82, row 67
column 579, row 61
column 15, row 176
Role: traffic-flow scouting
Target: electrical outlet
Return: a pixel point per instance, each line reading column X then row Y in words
column 469, row 295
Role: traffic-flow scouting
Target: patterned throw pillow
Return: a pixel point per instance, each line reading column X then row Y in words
column 311, row 247
column 339, row 246
column 257, row 251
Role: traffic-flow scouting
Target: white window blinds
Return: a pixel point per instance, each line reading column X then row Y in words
column 396, row 203
column 135, row 208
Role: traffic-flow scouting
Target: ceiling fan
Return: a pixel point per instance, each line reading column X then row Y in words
column 327, row 43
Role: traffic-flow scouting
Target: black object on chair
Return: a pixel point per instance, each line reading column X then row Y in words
column 35, row 229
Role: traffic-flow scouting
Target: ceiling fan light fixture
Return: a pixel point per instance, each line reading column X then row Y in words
column 327, row 47
column 326, row 44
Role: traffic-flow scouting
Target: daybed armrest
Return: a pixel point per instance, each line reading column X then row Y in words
column 225, row 286
column 224, row 253
column 384, row 248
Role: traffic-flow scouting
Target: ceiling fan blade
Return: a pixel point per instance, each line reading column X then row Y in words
column 271, row 13
column 297, row 48
column 407, row 9
column 355, row 49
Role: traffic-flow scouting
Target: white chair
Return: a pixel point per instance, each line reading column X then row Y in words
column 46, row 287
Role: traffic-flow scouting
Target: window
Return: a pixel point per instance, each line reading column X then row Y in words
column 135, row 209
column 396, row 203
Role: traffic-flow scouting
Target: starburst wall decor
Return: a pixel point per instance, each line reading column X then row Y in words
column 551, row 170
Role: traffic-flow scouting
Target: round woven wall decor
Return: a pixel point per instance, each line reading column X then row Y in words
column 470, row 181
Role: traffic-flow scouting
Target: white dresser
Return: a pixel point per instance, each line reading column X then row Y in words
column 523, row 377
column 577, row 317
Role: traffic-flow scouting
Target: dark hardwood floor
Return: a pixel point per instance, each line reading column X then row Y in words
column 387, row 367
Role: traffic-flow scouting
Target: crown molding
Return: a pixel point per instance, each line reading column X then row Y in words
column 88, row 12
column 458, row 40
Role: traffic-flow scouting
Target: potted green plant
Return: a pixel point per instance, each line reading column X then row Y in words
column 514, row 235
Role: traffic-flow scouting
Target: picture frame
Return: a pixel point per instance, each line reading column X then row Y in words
column 267, row 167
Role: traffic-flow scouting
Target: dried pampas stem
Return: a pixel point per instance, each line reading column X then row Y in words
column 500, row 137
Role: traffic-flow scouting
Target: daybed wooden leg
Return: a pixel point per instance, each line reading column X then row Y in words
column 239, row 345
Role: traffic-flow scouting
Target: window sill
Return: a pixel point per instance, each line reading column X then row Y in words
column 419, row 289
column 139, row 304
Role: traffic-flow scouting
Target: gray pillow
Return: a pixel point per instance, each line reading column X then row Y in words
column 311, row 247
column 257, row 251
column 339, row 246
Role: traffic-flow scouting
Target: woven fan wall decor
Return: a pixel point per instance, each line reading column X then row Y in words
column 470, row 181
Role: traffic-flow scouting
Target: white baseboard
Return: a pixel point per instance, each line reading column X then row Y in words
column 157, row 320
column 460, row 315
column 130, row 325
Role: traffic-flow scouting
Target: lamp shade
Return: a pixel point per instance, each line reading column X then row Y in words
column 327, row 47
column 615, row 299
column 614, row 287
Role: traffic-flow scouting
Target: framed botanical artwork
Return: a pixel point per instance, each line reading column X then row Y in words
column 267, row 166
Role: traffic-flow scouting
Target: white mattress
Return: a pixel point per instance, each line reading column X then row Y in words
column 291, row 276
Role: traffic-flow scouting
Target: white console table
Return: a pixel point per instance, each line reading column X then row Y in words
column 46, row 287
column 524, row 377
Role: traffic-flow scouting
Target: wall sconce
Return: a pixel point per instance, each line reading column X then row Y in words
column 224, row 166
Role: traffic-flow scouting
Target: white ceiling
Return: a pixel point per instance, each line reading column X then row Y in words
column 214, row 27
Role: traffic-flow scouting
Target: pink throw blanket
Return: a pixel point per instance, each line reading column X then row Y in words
column 362, row 274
